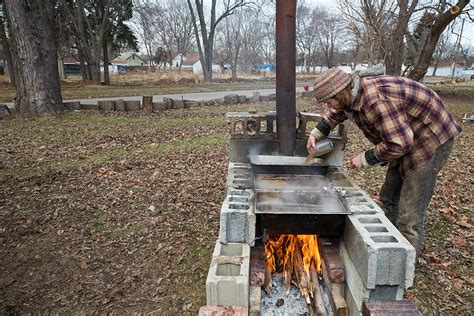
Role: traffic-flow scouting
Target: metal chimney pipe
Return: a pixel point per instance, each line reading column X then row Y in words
column 285, row 75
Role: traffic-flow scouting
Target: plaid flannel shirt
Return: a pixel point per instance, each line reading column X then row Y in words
column 405, row 120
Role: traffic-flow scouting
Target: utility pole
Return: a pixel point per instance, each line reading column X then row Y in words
column 457, row 50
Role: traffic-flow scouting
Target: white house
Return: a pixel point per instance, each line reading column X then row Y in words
column 130, row 59
column 197, row 68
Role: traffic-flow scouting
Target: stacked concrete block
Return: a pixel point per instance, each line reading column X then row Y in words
column 237, row 220
column 239, row 176
column 227, row 281
column 379, row 251
column 379, row 262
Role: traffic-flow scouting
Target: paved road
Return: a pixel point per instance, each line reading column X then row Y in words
column 197, row 96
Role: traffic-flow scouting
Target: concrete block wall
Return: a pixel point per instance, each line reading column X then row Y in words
column 379, row 262
column 237, row 219
column 239, row 176
column 227, row 281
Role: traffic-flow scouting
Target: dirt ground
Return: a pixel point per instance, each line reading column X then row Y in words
column 119, row 212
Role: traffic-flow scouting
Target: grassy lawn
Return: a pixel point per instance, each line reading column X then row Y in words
column 119, row 212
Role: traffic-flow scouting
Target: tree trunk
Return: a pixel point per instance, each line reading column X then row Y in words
column 429, row 46
column 207, row 66
column 94, row 71
column 394, row 58
column 84, row 72
column 62, row 73
column 106, row 61
column 8, row 52
column 37, row 83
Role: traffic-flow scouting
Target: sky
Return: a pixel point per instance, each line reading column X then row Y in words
column 468, row 32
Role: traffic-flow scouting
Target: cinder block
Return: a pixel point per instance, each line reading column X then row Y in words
column 72, row 105
column 237, row 220
column 132, row 105
column 178, row 104
column 355, row 290
column 359, row 292
column 379, row 251
column 231, row 99
column 120, row 105
column 89, row 106
column 239, row 176
column 159, row 106
column 227, row 281
column 242, row 99
column 107, row 105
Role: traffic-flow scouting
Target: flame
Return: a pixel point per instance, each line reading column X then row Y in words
column 279, row 251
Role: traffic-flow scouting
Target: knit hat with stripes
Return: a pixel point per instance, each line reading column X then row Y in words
column 329, row 83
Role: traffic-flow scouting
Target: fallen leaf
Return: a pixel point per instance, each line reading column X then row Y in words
column 83, row 264
column 448, row 211
column 463, row 223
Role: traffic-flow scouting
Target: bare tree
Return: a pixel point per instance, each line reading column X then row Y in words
column 145, row 26
column 37, row 83
column 328, row 34
column 6, row 41
column 253, row 33
column 306, row 31
column 443, row 18
column 205, row 30
column 231, row 39
column 381, row 25
column 178, row 26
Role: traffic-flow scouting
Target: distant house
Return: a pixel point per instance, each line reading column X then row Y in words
column 130, row 59
column 186, row 62
column 197, row 68
column 72, row 65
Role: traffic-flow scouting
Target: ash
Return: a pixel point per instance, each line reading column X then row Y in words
column 293, row 304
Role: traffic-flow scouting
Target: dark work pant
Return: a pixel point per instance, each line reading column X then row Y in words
column 405, row 201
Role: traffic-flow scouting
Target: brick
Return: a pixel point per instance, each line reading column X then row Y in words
column 336, row 294
column 218, row 310
column 257, row 265
column 227, row 281
column 329, row 251
column 390, row 308
column 379, row 251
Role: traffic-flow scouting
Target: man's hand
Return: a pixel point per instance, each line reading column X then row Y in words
column 311, row 144
column 359, row 161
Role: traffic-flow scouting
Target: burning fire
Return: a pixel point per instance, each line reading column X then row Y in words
column 281, row 250
column 297, row 257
